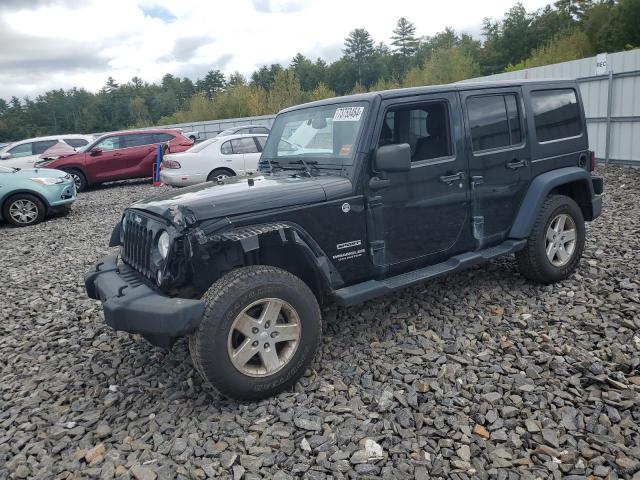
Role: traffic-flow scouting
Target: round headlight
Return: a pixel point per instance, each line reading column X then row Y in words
column 163, row 244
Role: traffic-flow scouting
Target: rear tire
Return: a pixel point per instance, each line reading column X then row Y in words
column 259, row 333
column 219, row 174
column 23, row 210
column 556, row 242
column 79, row 179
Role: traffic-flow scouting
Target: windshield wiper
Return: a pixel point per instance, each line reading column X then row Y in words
column 306, row 164
column 272, row 164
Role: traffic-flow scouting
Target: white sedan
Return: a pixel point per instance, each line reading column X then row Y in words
column 213, row 159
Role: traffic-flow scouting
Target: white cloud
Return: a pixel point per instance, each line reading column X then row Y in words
column 65, row 43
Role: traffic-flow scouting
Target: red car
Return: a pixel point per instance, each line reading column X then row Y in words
column 118, row 156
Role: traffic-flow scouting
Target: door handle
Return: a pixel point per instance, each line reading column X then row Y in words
column 515, row 164
column 449, row 179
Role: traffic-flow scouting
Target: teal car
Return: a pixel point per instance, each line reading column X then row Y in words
column 27, row 196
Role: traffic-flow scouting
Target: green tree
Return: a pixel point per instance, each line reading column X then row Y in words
column 358, row 47
column 446, row 65
column 404, row 40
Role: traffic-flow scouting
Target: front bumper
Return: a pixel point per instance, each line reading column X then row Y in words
column 131, row 306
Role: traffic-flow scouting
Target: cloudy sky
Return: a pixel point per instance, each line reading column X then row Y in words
column 46, row 44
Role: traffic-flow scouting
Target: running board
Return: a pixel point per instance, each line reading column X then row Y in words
column 361, row 292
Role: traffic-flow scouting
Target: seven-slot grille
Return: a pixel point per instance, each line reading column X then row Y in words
column 138, row 245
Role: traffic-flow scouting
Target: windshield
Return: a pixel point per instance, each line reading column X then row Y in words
column 324, row 134
column 198, row 147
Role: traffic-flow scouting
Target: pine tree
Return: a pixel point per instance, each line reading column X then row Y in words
column 359, row 48
column 404, row 39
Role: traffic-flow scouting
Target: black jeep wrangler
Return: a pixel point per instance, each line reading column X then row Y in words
column 355, row 197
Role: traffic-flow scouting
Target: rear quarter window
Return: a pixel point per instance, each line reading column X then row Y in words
column 556, row 114
column 76, row 142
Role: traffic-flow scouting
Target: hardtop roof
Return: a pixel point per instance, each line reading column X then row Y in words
column 411, row 91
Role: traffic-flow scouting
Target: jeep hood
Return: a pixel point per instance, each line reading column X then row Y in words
column 237, row 196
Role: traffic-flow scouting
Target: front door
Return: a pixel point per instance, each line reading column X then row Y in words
column 106, row 160
column 499, row 160
column 425, row 210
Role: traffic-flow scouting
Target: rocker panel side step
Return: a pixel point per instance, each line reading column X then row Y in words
column 364, row 291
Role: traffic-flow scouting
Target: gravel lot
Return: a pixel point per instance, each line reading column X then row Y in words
column 477, row 375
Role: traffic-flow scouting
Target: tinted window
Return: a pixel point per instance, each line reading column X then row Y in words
column 244, row 145
column 138, row 139
column 21, row 150
column 225, row 149
column 110, row 143
column 261, row 141
column 243, row 131
column 494, row 121
column 76, row 142
column 162, row 137
column 259, row 130
column 425, row 128
column 43, row 146
column 556, row 114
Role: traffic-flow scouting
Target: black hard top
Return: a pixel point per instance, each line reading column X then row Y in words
column 411, row 91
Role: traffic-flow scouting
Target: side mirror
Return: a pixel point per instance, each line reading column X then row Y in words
column 393, row 158
column 96, row 151
column 5, row 156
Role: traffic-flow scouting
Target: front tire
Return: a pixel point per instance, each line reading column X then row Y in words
column 23, row 209
column 556, row 242
column 259, row 333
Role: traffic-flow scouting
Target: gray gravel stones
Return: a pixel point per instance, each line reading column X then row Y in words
column 476, row 375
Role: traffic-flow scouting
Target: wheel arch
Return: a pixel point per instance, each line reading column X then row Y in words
column 39, row 196
column 283, row 245
column 573, row 182
column 233, row 172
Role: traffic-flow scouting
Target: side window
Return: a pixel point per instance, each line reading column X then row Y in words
column 425, row 128
column 259, row 130
column 110, row 143
column 138, row 140
column 43, row 146
column 261, row 141
column 494, row 121
column 244, row 145
column 162, row 137
column 225, row 149
column 23, row 150
column 556, row 114
column 75, row 142
column 243, row 131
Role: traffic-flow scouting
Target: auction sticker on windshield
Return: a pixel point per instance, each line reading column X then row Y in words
column 348, row 114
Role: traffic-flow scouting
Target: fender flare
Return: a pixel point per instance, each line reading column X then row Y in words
column 538, row 191
column 249, row 239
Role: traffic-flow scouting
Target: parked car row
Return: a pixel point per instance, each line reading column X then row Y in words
column 39, row 176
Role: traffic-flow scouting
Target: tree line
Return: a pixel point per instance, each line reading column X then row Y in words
column 566, row 30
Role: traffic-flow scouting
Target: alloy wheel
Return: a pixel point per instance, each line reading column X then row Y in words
column 264, row 337
column 23, row 211
column 561, row 240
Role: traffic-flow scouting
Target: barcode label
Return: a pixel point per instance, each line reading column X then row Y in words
column 348, row 114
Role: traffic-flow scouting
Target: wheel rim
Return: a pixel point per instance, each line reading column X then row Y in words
column 23, row 211
column 264, row 337
column 561, row 240
column 76, row 180
column 220, row 177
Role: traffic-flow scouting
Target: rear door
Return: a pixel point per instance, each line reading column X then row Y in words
column 141, row 153
column 499, row 159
